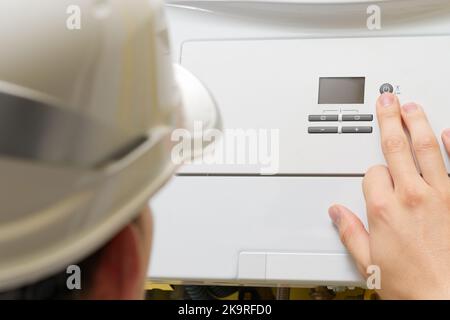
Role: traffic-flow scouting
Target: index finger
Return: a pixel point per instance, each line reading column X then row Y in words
column 395, row 144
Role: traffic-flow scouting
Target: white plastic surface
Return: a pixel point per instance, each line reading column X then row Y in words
column 274, row 85
column 222, row 229
column 203, row 224
column 252, row 266
column 283, row 267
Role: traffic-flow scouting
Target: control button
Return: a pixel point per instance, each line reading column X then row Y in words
column 387, row 87
column 323, row 130
column 357, row 129
column 324, row 117
column 357, row 117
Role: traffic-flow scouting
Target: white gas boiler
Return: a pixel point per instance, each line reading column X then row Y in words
column 306, row 73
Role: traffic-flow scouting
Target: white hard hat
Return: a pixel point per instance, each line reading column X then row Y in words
column 89, row 99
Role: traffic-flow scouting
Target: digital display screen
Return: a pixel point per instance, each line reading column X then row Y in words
column 342, row 90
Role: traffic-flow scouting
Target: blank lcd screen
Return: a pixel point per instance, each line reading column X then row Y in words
column 342, row 90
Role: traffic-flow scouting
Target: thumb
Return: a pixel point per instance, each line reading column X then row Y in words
column 353, row 235
column 446, row 140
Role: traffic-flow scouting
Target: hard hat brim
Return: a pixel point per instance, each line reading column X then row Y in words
column 200, row 109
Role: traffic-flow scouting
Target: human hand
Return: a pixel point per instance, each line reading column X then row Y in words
column 408, row 213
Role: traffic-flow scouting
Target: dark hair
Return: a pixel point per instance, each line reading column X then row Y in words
column 55, row 286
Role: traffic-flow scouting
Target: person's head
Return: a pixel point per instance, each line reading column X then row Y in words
column 115, row 271
column 89, row 101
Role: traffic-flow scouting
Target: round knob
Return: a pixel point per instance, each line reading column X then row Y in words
column 387, row 87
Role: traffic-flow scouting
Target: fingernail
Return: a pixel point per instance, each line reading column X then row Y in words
column 335, row 215
column 410, row 107
column 387, row 99
column 447, row 133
